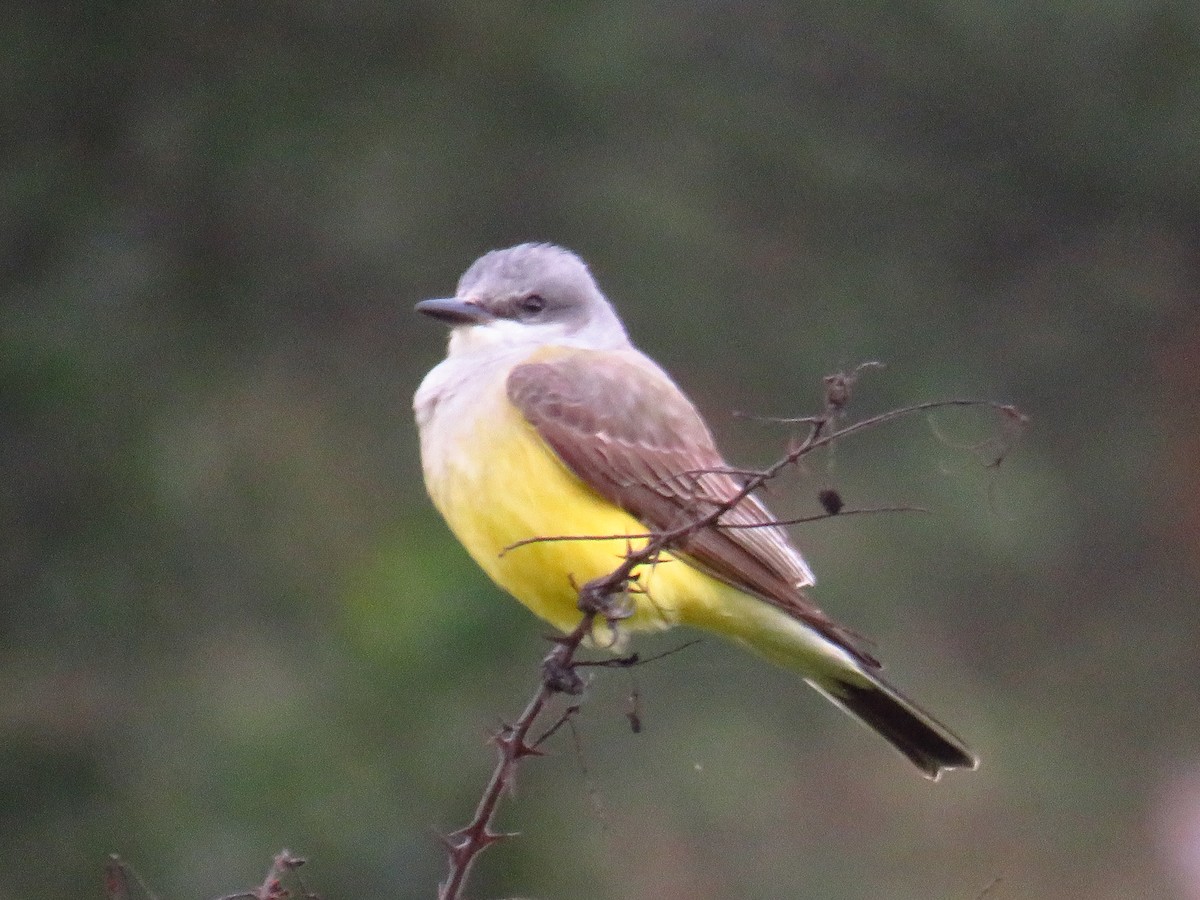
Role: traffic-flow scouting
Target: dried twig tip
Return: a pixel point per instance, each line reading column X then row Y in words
column 839, row 385
column 831, row 501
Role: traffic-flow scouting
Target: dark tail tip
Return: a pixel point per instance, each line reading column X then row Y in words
column 930, row 745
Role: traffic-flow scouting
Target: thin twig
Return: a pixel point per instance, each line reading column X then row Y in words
column 565, row 717
column 119, row 875
column 633, row 659
column 771, row 523
column 1007, row 409
column 822, row 516
column 558, row 538
column 273, row 888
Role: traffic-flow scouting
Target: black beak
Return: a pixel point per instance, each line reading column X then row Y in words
column 455, row 311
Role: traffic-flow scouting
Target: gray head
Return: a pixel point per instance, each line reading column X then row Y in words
column 528, row 295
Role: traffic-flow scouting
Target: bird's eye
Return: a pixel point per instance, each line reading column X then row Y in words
column 532, row 305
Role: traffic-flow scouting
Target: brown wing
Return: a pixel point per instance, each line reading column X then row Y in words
column 624, row 428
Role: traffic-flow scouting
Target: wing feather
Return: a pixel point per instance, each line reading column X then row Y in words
column 625, row 429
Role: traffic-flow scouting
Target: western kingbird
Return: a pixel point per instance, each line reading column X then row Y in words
column 545, row 421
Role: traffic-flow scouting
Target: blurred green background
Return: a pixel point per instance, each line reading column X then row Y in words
column 231, row 621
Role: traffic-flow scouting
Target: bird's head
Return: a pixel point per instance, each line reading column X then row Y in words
column 527, row 296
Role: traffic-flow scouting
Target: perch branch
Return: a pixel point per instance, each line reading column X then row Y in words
column 607, row 598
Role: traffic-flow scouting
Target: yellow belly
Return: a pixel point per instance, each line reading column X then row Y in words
column 497, row 483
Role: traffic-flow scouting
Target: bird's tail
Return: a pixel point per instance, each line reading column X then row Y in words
column 929, row 744
column 845, row 678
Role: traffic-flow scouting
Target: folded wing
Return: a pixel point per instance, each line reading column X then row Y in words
column 626, row 430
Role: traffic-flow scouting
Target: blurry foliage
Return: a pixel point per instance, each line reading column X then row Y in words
column 230, row 621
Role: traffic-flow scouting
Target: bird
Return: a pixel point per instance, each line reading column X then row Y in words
column 545, row 421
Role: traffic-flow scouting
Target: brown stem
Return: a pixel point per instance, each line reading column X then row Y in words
column 512, row 745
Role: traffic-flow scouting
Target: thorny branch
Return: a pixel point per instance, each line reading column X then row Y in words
column 512, row 745
column 608, row 598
